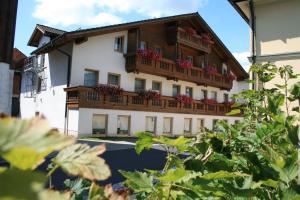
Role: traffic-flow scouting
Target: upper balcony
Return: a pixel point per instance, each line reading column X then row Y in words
column 87, row 97
column 193, row 40
column 169, row 69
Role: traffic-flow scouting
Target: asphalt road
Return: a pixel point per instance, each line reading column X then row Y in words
column 119, row 156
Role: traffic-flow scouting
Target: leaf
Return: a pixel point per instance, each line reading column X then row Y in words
column 138, row 181
column 181, row 143
column 100, row 193
column 25, row 143
column 145, row 141
column 222, row 175
column 82, row 160
column 234, row 112
column 174, row 175
column 270, row 182
column 16, row 184
column 52, row 194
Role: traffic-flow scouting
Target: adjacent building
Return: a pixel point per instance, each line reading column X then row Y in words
column 275, row 32
column 169, row 75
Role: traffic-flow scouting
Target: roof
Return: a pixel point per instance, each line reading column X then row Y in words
column 237, row 5
column 41, row 30
column 18, row 58
column 71, row 36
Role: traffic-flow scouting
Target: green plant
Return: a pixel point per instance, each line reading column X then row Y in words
column 253, row 159
column 24, row 144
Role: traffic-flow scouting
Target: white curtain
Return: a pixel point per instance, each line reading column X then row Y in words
column 150, row 124
column 167, row 125
column 123, row 123
column 99, row 122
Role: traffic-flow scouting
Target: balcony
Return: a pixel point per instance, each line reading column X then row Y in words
column 194, row 41
column 86, row 97
column 170, row 70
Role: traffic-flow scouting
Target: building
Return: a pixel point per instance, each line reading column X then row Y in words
column 274, row 30
column 107, row 80
column 17, row 66
column 8, row 13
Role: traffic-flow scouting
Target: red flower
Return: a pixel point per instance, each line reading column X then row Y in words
column 109, row 89
column 184, row 99
column 210, row 101
column 149, row 54
column 149, row 94
column 211, row 70
column 186, row 64
column 190, row 31
column 231, row 76
column 205, row 38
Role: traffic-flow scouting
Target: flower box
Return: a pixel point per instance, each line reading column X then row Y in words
column 228, row 103
column 149, row 54
column 211, row 70
column 185, row 64
column 210, row 101
column 231, row 77
column 184, row 99
column 149, row 95
column 109, row 90
column 206, row 39
column 190, row 31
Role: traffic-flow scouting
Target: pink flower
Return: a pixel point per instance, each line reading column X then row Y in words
column 186, row 64
column 184, row 99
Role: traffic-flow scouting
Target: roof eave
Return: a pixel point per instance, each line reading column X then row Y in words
column 239, row 10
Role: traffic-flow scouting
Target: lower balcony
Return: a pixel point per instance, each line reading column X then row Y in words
column 87, row 97
column 169, row 69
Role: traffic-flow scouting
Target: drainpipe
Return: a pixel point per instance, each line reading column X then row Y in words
column 253, row 28
column 68, row 84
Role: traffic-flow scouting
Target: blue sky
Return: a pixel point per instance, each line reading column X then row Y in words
column 73, row 14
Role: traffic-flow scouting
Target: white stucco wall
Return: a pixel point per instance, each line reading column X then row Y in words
column 6, row 81
column 50, row 102
column 138, row 122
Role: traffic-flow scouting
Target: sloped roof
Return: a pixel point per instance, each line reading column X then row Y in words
column 18, row 59
column 41, row 30
column 71, row 36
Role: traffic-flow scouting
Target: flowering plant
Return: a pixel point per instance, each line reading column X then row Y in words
column 149, row 54
column 109, row 89
column 190, row 31
column 210, row 101
column 211, row 70
column 149, row 94
column 231, row 76
column 205, row 38
column 186, row 64
column 184, row 99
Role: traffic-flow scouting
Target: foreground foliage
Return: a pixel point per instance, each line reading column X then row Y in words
column 253, row 159
column 24, row 144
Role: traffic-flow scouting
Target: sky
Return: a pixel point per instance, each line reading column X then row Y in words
column 74, row 14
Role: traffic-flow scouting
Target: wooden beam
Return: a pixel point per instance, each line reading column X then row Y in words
column 81, row 40
column 8, row 14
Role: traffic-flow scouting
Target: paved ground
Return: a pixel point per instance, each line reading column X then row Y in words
column 119, row 156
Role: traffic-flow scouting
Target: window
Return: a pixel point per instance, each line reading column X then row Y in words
column 189, row 91
column 119, row 44
column 156, row 86
column 39, row 84
column 139, row 84
column 200, row 125
column 226, row 97
column 214, row 124
column 236, row 121
column 167, row 126
column 176, row 90
column 99, row 124
column 90, row 77
column 214, row 95
column 190, row 58
column 123, row 124
column 150, row 124
column 187, row 125
column 143, row 45
column 113, row 79
column 204, row 94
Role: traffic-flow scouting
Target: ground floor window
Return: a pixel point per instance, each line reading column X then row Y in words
column 123, row 124
column 167, row 125
column 187, row 126
column 99, row 124
column 214, row 124
column 236, row 121
column 200, row 125
column 150, row 124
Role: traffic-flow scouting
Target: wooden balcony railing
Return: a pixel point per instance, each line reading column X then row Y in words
column 168, row 68
column 193, row 41
column 86, row 97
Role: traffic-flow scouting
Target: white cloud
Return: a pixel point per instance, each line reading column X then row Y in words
column 103, row 12
column 242, row 57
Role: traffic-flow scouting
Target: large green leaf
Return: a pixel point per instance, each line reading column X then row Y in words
column 181, row 143
column 21, row 185
column 174, row 175
column 25, row 143
column 82, row 160
column 223, row 175
column 145, row 141
column 138, row 181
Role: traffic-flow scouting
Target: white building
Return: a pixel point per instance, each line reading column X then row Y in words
column 74, row 78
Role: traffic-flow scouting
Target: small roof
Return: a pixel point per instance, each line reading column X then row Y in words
column 71, row 36
column 41, row 30
column 18, row 59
